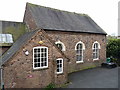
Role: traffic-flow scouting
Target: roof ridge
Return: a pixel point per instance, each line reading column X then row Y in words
column 36, row 5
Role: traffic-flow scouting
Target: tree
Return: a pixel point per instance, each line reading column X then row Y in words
column 113, row 49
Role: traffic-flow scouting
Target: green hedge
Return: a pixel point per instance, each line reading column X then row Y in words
column 113, row 50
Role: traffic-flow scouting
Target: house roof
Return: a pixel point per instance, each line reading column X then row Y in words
column 53, row 19
column 17, row 45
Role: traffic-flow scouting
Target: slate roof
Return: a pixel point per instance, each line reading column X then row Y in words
column 53, row 19
column 17, row 45
column 21, row 41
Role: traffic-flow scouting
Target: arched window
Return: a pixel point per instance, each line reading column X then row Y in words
column 60, row 45
column 95, row 48
column 80, row 47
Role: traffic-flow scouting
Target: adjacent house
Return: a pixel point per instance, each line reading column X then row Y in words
column 55, row 44
column 10, row 32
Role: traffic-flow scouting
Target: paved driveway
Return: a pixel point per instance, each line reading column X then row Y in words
column 94, row 78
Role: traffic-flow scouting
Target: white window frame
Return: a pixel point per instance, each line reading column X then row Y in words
column 63, row 46
column 62, row 66
column 40, row 57
column 96, row 42
column 83, row 48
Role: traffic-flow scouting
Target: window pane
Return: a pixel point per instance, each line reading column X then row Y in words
column 77, row 58
column 60, row 65
column 45, row 54
column 35, row 55
column 35, row 65
column 35, row 50
column 38, row 59
column 45, row 50
column 57, row 61
column 35, row 60
column 60, row 61
column 42, row 59
column 45, row 64
column 60, row 69
column 80, row 51
column 42, row 49
column 93, row 55
column 38, row 50
column 42, row 54
column 59, row 46
column 77, row 51
column 80, row 57
column 38, row 64
column 93, row 50
column 97, row 55
column 42, row 64
column 57, row 70
column 79, row 46
column 96, row 45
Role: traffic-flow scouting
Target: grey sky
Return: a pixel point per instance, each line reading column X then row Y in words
column 103, row 12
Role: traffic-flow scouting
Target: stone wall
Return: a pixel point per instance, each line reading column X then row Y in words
column 29, row 20
column 19, row 72
column 71, row 38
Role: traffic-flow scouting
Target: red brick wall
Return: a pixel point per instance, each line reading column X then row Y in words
column 29, row 20
column 19, row 72
column 70, row 39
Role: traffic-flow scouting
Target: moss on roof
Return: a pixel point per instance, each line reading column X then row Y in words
column 5, row 44
column 34, row 5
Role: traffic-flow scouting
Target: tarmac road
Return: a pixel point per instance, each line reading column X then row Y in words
column 94, row 78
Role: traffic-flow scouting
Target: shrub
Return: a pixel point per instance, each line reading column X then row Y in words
column 50, row 86
column 113, row 50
